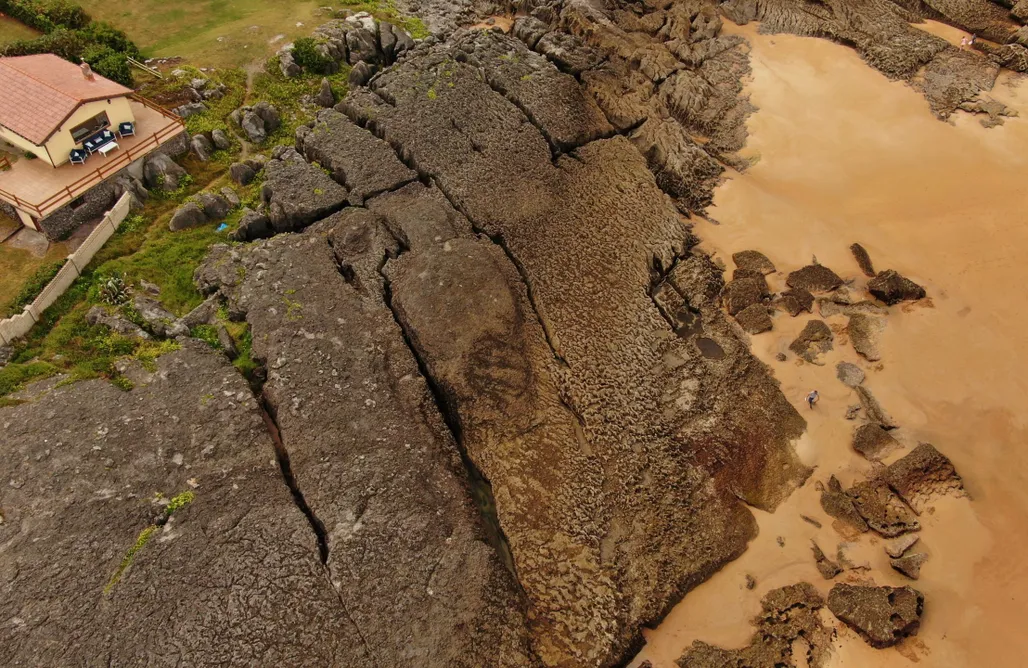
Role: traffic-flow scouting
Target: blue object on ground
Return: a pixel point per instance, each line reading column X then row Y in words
column 222, row 227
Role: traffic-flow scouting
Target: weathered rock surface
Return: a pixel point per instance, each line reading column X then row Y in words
column 742, row 293
column 253, row 225
column 754, row 319
column 864, row 331
column 897, row 547
column 788, row 614
column 357, row 159
column 98, row 315
column 825, row 566
column 201, row 147
column 231, row 578
column 874, row 411
column 883, row 511
column 863, row 259
column 158, row 320
column 754, row 261
column 796, row 301
column 188, row 215
column 851, row 375
column 882, row 615
column 815, row 339
column 922, row 474
column 910, row 565
column 241, row 173
column 160, row 171
column 872, row 441
column 837, row 503
column 814, row 278
column 298, row 193
column 893, row 288
column 374, row 460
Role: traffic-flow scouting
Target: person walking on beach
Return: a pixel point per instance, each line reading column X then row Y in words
column 812, row 398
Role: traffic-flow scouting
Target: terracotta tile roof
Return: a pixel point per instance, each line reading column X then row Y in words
column 40, row 92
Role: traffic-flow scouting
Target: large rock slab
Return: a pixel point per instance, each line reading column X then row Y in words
column 406, row 546
column 922, row 474
column 882, row 615
column 893, row 288
column 357, row 159
column 298, row 193
column 233, row 577
column 814, row 278
column 583, row 234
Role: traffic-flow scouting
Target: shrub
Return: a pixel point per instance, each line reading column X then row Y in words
column 46, row 15
column 109, row 63
column 100, row 32
column 305, row 53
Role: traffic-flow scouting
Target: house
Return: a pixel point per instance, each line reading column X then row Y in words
column 65, row 134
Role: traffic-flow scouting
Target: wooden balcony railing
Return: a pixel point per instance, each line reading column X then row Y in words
column 110, row 167
column 4, row 163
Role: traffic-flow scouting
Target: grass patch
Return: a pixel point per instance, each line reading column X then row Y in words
column 177, row 503
column 285, row 94
column 385, row 10
column 12, row 30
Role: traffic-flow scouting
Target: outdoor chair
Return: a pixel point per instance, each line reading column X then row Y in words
column 78, row 156
column 127, row 129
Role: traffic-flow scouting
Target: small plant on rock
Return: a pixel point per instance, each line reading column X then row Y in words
column 111, row 290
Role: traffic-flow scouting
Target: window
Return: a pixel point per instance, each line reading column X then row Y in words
column 83, row 130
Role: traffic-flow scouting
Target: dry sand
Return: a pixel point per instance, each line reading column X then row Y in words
column 844, row 155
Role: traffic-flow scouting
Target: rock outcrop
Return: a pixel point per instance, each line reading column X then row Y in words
column 882, row 615
column 815, row 339
column 298, row 193
column 922, row 474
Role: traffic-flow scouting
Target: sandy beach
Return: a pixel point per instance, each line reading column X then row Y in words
column 841, row 154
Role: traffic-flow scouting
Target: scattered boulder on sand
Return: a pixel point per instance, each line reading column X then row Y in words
column 883, row 511
column 753, row 260
column 788, row 614
column 882, row 615
column 863, row 260
column 825, row 566
column 837, row 503
column 815, row 339
column 910, row 565
column 872, row 441
column 897, row 547
column 754, row 319
column 873, row 409
column 850, row 374
column 864, row 331
column 741, row 293
column 893, row 288
column 795, row 301
column 923, row 473
column 814, row 278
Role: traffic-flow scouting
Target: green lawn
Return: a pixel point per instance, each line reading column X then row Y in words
column 211, row 33
column 12, row 31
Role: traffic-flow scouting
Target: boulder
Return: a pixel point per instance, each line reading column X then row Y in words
column 241, row 173
column 754, row 319
column 270, row 115
column 287, row 64
column 825, row 566
column 201, row 147
column 215, row 207
column 362, row 46
column 529, row 30
column 851, row 375
column 191, row 109
column 873, row 409
column 921, row 474
column 753, row 260
column 298, row 193
column 203, row 314
column 883, row 511
column 893, row 288
column 872, row 441
column 157, row 318
column 137, row 192
column 231, row 195
column 189, row 214
column 160, row 171
column 863, row 260
column 837, row 503
column 864, row 331
column 882, row 615
column 360, row 74
column 387, row 41
column 365, row 164
column 98, row 315
column 252, row 225
column 221, row 140
column 325, row 97
column 253, row 125
column 741, row 293
column 795, row 301
column 815, row 339
column 910, row 565
column 814, row 278
column 228, row 346
column 198, row 84
column 897, row 547
column 755, row 275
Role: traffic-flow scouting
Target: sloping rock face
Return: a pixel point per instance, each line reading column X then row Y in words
column 617, row 453
column 233, row 577
column 882, row 615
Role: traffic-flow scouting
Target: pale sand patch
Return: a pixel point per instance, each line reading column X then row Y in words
column 846, row 155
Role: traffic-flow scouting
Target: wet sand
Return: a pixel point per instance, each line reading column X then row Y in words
column 844, row 155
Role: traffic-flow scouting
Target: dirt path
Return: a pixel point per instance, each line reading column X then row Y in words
column 845, row 155
column 251, row 72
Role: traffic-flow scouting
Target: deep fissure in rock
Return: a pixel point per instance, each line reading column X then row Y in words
column 282, row 456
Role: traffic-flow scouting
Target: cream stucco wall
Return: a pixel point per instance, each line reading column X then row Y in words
column 118, row 111
column 23, row 144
